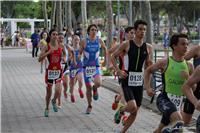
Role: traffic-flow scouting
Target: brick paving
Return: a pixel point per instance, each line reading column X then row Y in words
column 22, row 103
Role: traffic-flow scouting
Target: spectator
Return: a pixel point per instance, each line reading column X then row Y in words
column 165, row 42
column 165, row 39
column 79, row 31
column 35, row 38
column 43, row 31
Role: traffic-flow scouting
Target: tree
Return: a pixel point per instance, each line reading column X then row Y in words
column 84, row 16
column 53, row 13
column 130, row 22
column 69, row 12
column 109, row 22
column 59, row 12
column 45, row 15
column 146, row 15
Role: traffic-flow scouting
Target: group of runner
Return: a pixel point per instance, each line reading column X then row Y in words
column 67, row 66
column 134, row 72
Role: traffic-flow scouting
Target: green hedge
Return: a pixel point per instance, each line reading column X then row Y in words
column 106, row 72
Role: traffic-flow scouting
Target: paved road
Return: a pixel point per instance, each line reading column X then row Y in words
column 23, row 92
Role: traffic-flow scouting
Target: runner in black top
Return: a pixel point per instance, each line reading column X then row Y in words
column 137, row 53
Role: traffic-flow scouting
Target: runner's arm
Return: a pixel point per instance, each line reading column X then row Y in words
column 191, row 53
column 64, row 53
column 81, row 48
column 44, row 53
column 149, row 59
column 160, row 65
column 191, row 70
column 105, row 50
column 111, row 50
column 187, row 90
column 116, row 53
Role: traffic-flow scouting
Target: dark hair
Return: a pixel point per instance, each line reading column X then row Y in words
column 49, row 35
column 129, row 29
column 90, row 26
column 60, row 33
column 175, row 38
column 138, row 22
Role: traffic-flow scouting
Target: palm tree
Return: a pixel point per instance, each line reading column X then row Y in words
column 84, row 15
column 45, row 15
column 59, row 12
column 109, row 22
column 69, row 12
column 146, row 15
column 130, row 22
column 53, row 13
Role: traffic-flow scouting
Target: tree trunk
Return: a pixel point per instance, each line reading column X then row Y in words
column 65, row 13
column 73, row 19
column 170, row 17
column 133, row 14
column 53, row 13
column 45, row 15
column 84, row 16
column 130, row 22
column 179, row 24
column 69, row 22
column 109, row 27
column 146, row 15
column 109, row 22
column 59, row 12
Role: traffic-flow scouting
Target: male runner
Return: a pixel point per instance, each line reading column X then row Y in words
column 137, row 53
column 175, row 71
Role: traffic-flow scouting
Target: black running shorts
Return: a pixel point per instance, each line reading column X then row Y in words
column 132, row 93
column 166, row 107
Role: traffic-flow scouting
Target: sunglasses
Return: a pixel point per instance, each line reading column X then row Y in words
column 131, row 32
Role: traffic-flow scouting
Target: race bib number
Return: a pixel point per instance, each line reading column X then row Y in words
column 73, row 72
column 176, row 100
column 90, row 71
column 53, row 74
column 135, row 79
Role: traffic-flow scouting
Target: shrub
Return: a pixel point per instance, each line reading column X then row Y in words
column 8, row 41
column 106, row 72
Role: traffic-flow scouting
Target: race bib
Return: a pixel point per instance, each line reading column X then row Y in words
column 73, row 72
column 53, row 74
column 90, row 71
column 176, row 100
column 135, row 79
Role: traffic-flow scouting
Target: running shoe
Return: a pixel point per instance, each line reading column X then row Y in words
column 46, row 113
column 59, row 106
column 88, row 110
column 95, row 93
column 72, row 99
column 55, row 109
column 118, row 115
column 124, row 118
column 175, row 128
column 178, row 127
column 115, row 103
column 81, row 93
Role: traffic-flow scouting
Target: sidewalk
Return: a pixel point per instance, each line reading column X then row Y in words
column 23, row 101
column 110, row 83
